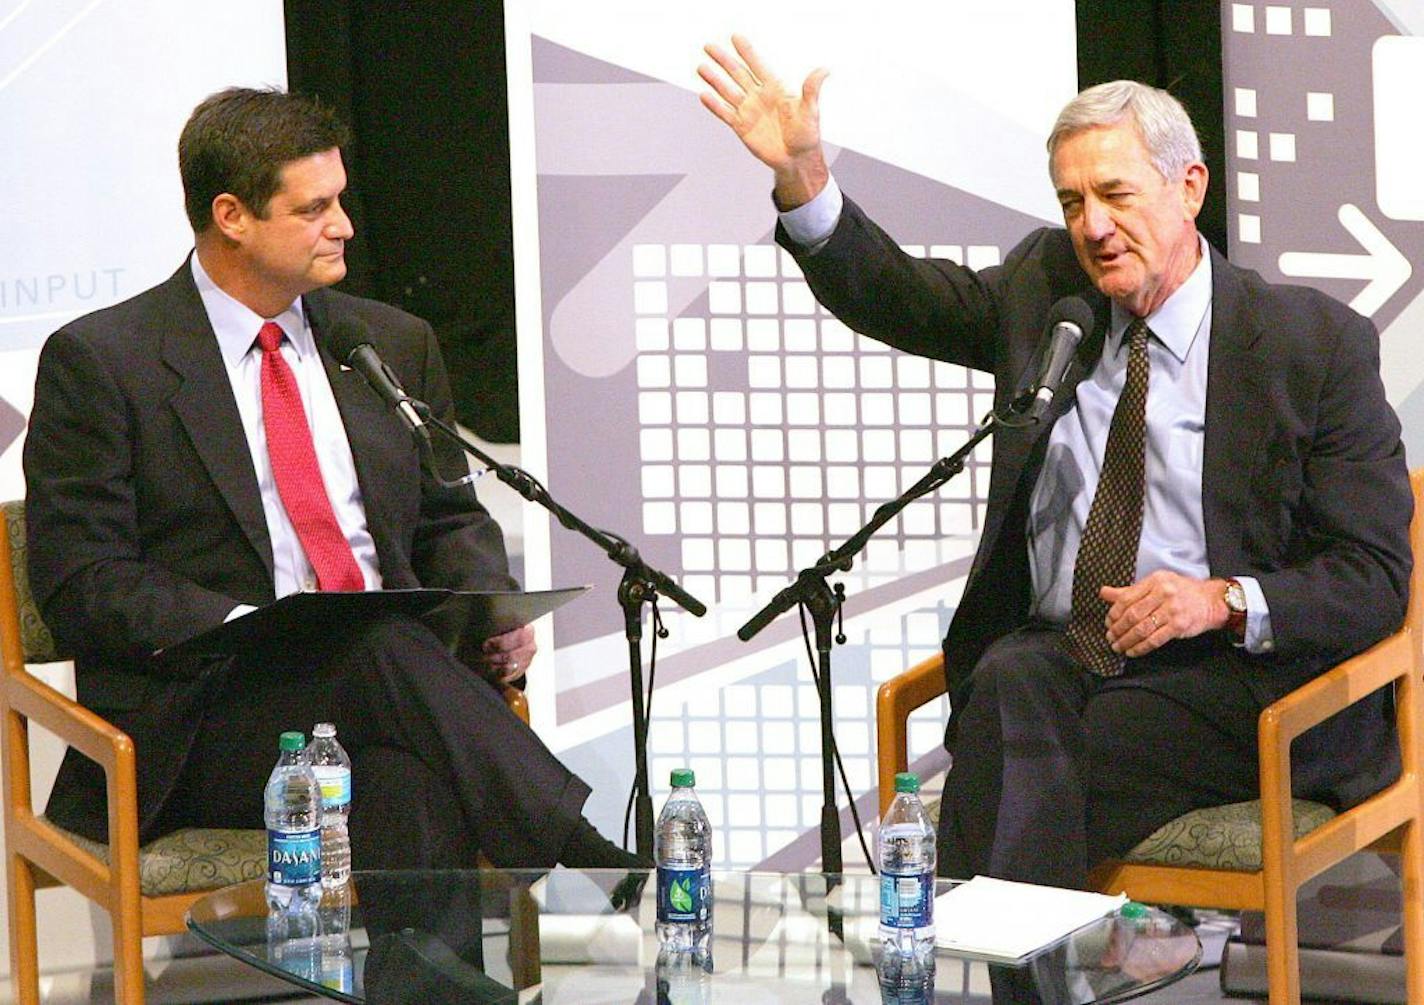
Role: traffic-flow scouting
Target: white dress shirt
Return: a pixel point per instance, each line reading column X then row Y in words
column 236, row 326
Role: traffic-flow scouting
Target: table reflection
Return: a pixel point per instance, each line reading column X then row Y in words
column 570, row 936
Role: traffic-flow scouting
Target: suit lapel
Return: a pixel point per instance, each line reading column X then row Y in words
column 1235, row 389
column 371, row 429
column 204, row 403
column 1021, row 450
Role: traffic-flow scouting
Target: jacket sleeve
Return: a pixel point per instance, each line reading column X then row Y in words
column 1340, row 496
column 926, row 306
column 94, row 587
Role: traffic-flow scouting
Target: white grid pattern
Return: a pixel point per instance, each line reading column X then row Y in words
column 769, row 432
column 1280, row 20
column 756, row 746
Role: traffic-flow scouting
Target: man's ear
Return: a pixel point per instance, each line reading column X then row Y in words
column 1194, row 189
column 231, row 217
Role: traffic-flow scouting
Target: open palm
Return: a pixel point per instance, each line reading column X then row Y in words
column 782, row 129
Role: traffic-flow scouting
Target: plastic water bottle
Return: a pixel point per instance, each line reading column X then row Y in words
column 907, row 872
column 333, row 771
column 684, row 856
column 293, row 811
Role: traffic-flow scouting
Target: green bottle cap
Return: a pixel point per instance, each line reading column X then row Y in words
column 1132, row 910
column 683, row 778
column 907, row 781
column 292, row 741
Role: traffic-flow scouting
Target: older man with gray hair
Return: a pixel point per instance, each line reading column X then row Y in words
column 1214, row 509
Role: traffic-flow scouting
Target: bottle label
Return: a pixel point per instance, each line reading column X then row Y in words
column 293, row 857
column 684, row 895
column 907, row 899
column 335, row 781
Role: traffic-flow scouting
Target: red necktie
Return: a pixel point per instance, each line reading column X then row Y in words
column 299, row 483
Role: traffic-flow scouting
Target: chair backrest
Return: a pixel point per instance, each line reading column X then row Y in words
column 36, row 643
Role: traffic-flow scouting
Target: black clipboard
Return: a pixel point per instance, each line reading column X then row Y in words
column 458, row 616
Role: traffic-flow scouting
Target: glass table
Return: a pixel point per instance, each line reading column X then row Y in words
column 589, row 936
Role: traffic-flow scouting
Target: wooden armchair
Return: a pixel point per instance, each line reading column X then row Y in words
column 1256, row 855
column 146, row 891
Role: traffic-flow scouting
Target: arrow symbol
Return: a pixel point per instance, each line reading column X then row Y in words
column 1382, row 264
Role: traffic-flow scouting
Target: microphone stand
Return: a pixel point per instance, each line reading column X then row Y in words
column 824, row 603
column 640, row 585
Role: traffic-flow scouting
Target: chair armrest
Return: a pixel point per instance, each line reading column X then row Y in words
column 1339, row 687
column 894, row 701
column 517, row 701
column 1389, row 660
column 29, row 699
column 90, row 734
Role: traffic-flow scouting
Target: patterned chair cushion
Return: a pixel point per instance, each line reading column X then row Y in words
column 192, row 859
column 35, row 637
column 1219, row 837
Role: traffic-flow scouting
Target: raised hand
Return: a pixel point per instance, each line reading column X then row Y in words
column 781, row 129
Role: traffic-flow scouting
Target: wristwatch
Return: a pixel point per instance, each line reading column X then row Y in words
column 1235, row 598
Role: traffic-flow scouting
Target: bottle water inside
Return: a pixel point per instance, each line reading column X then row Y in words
column 906, row 844
column 683, row 847
column 292, row 805
column 333, row 772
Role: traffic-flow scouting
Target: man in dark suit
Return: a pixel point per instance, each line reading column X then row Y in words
column 198, row 451
column 1214, row 509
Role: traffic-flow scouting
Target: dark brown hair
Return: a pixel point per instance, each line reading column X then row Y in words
column 238, row 140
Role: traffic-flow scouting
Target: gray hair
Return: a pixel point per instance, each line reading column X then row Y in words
column 1162, row 123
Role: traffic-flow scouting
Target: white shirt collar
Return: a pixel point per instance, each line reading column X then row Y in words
column 236, row 325
column 1178, row 320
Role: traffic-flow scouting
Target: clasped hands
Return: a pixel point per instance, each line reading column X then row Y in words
column 1160, row 607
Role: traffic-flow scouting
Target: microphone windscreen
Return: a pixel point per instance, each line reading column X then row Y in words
column 1074, row 310
column 345, row 335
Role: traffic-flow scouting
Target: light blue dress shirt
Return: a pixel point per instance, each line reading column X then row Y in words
column 1173, row 536
column 236, row 326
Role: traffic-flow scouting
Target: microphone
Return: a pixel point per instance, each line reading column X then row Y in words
column 1069, row 318
column 351, row 346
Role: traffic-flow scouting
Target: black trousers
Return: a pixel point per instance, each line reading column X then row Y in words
column 1056, row 769
column 440, row 766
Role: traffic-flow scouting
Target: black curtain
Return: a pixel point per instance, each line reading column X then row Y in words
column 423, row 86
column 1175, row 45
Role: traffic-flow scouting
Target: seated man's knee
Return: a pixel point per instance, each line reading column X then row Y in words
column 1023, row 660
column 404, row 815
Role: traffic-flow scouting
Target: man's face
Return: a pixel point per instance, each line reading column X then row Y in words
column 299, row 244
column 1134, row 231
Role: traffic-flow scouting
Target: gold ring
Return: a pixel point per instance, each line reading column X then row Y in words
column 1155, row 624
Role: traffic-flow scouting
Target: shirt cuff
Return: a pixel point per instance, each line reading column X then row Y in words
column 811, row 224
column 238, row 612
column 1259, row 637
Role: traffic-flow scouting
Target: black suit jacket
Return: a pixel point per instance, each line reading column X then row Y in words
column 1304, row 484
column 145, row 519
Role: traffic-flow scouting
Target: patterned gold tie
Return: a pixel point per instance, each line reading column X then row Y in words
column 1107, row 554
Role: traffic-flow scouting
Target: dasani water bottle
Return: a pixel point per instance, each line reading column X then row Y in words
column 907, row 872
column 293, row 812
column 684, row 856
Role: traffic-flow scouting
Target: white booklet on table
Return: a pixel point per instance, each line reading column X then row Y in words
column 995, row 919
